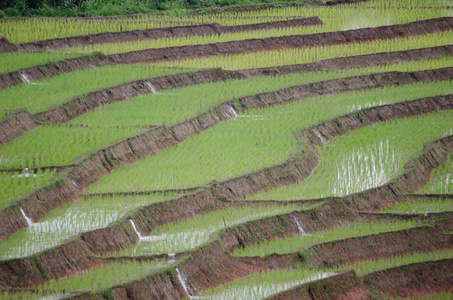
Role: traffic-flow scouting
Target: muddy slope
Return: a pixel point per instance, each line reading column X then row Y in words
column 51, row 69
column 80, row 104
column 15, row 125
column 285, row 42
column 413, row 280
column 264, row 6
column 118, row 236
column 343, row 286
column 91, row 167
column 157, row 33
column 7, row 46
column 209, row 266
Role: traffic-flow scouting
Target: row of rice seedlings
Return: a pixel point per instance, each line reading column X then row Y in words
column 71, row 219
column 15, row 184
column 110, row 48
column 441, row 180
column 51, row 145
column 47, row 92
column 403, row 3
column 283, row 57
column 15, row 60
column 349, row 17
column 178, row 104
column 264, row 284
column 146, row 110
column 189, row 233
column 369, row 266
column 174, row 105
column 30, row 30
column 263, row 137
column 365, row 158
column 291, row 244
column 420, row 206
column 98, row 279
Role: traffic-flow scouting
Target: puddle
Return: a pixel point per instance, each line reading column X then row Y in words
column 65, row 222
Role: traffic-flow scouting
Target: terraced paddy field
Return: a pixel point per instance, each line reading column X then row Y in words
column 303, row 151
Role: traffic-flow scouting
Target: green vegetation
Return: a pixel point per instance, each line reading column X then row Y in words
column 96, row 279
column 370, row 266
column 171, row 106
column 284, row 57
column 365, row 158
column 15, row 60
column 441, row 181
column 420, row 206
column 264, row 284
column 71, row 219
column 51, row 145
column 290, row 244
column 15, row 184
column 189, row 233
column 49, row 92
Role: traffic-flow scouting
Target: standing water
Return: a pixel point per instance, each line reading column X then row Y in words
column 151, row 87
column 301, row 230
column 184, row 284
column 29, row 220
column 146, row 238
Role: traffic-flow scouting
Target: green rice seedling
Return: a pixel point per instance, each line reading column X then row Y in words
column 403, row 3
column 263, row 137
column 190, row 233
column 369, row 266
column 51, row 145
column 48, row 92
column 291, row 244
column 172, row 106
column 283, row 57
column 30, row 30
column 15, row 184
column 365, row 158
column 441, row 181
column 98, row 279
column 71, row 219
column 15, row 60
column 420, row 206
column 264, row 284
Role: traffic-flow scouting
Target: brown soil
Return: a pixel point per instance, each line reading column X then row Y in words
column 7, row 46
column 345, row 285
column 337, row 211
column 285, row 42
column 413, row 280
column 82, row 103
column 264, row 6
column 53, row 68
column 15, row 125
column 169, row 32
column 91, row 167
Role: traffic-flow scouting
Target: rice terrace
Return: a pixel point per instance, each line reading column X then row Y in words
column 299, row 150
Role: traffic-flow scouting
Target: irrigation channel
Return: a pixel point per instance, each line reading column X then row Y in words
column 255, row 152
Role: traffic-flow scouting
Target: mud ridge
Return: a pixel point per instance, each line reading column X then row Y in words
column 52, row 68
column 413, row 280
column 82, row 103
column 285, row 42
column 345, row 285
column 91, row 167
column 158, row 33
column 213, row 256
column 264, row 6
column 146, row 218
